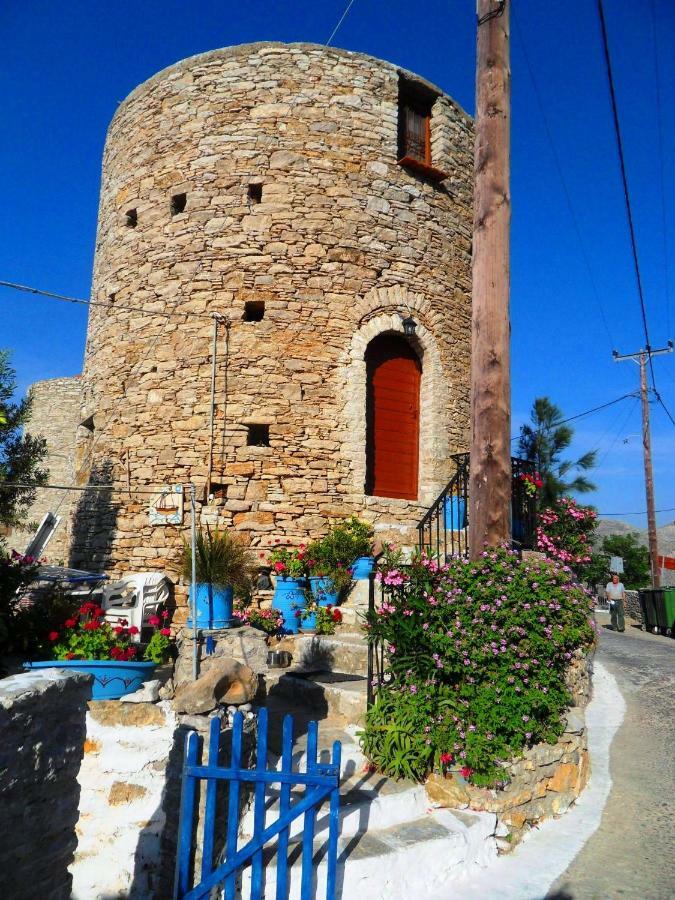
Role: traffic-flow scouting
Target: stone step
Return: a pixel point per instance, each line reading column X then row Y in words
column 368, row 801
column 323, row 693
column 345, row 652
column 417, row 858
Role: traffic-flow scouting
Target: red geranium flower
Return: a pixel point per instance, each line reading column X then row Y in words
column 118, row 629
column 70, row 623
column 153, row 620
column 446, row 758
column 337, row 615
column 53, row 636
column 466, row 771
column 165, row 631
column 134, row 630
column 93, row 625
column 165, row 614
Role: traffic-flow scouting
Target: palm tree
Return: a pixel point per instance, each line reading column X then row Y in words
column 543, row 443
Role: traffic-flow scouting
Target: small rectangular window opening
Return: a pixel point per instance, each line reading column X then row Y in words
column 255, row 192
column 414, row 122
column 258, row 436
column 178, row 202
column 131, row 218
column 254, row 310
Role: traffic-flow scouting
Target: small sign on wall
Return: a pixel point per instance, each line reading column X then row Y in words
column 167, row 507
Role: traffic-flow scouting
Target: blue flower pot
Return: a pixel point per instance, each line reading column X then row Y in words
column 214, row 606
column 112, row 679
column 324, row 591
column 455, row 513
column 362, row 567
column 289, row 597
column 308, row 623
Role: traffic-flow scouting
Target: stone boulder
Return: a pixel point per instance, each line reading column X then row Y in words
column 244, row 644
column 226, row 681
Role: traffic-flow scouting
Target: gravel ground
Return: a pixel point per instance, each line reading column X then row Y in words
column 631, row 854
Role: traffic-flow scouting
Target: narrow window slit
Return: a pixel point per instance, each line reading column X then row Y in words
column 178, row 203
column 131, row 218
column 255, row 192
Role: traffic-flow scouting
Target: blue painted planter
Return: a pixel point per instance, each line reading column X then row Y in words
column 112, row 680
column 455, row 513
column 214, row 606
column 308, row 623
column 362, row 567
column 324, row 591
column 289, row 596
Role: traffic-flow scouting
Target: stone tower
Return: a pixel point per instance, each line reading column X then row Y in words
column 314, row 198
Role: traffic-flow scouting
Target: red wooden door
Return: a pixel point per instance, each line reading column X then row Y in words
column 393, row 413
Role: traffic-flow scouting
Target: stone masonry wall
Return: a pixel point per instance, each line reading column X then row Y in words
column 42, row 732
column 340, row 245
column 55, row 416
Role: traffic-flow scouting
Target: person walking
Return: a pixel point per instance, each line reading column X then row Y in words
column 616, row 594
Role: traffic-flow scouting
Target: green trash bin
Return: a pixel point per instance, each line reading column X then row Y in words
column 669, row 610
column 648, row 607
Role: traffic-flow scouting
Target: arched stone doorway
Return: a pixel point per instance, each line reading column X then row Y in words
column 394, row 374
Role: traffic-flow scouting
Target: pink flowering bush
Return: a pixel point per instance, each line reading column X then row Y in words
column 476, row 655
column 268, row 620
column 565, row 533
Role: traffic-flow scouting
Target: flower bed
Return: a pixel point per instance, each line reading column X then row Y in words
column 477, row 654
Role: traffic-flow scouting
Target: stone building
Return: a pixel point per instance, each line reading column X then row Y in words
column 55, row 415
column 314, row 199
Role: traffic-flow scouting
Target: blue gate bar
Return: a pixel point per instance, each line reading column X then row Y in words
column 284, row 806
column 210, row 805
column 334, row 825
column 259, row 806
column 310, row 818
column 186, row 820
column 233, row 804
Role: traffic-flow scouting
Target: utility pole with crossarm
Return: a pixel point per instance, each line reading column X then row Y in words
column 641, row 358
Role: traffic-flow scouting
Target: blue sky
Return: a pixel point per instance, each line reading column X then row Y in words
column 66, row 66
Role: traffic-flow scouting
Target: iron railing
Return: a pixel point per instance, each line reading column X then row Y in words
column 444, row 530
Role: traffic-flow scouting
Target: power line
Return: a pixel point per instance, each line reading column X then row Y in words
column 342, row 18
column 659, row 132
column 643, row 513
column 110, row 304
column 624, row 177
column 9, row 485
column 558, row 165
column 588, row 412
column 665, row 408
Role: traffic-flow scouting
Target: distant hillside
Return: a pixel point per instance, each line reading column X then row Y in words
column 615, row 526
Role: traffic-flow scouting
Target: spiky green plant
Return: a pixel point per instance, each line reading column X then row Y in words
column 221, row 558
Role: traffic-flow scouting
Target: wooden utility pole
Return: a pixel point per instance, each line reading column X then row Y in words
column 641, row 358
column 490, row 462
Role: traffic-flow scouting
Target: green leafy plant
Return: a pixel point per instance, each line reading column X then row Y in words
column 289, row 562
column 636, row 568
column 476, row 657
column 159, row 644
column 327, row 617
column 87, row 635
column 332, row 555
column 16, row 571
column 221, row 558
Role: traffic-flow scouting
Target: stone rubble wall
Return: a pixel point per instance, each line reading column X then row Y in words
column 42, row 733
column 632, row 606
column 343, row 243
column 55, row 416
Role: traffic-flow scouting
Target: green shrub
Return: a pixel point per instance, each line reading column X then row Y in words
column 333, row 554
column 476, row 656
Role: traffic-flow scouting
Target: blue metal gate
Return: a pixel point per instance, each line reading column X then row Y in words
column 321, row 781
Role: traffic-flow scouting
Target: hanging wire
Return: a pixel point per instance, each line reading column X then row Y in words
column 342, row 18
column 659, row 133
column 563, row 182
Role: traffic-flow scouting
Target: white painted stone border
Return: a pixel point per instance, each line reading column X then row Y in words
column 547, row 851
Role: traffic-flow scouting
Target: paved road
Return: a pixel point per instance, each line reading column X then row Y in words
column 632, row 854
